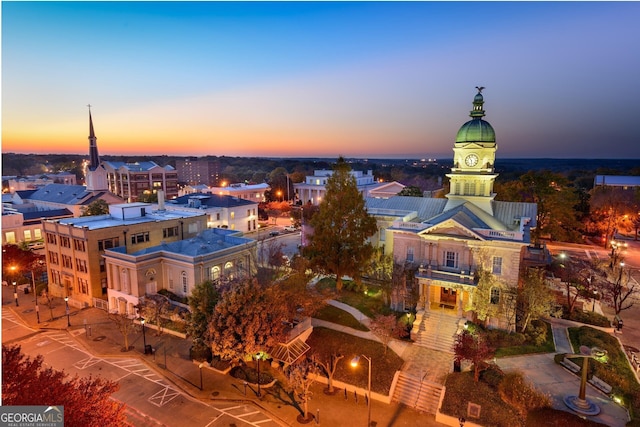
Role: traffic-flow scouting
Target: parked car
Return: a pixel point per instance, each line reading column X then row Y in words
column 274, row 233
column 290, row 228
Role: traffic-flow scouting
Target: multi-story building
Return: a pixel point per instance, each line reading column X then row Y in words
column 313, row 189
column 223, row 211
column 74, row 246
column 32, row 182
column 194, row 171
column 213, row 255
column 131, row 180
column 449, row 241
column 252, row 192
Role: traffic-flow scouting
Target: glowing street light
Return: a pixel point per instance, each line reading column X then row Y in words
column 354, row 364
column 66, row 302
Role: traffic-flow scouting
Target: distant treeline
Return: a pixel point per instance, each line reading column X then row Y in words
column 414, row 172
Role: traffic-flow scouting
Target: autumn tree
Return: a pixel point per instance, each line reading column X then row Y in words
column 153, row 308
column 486, row 301
column 555, row 199
column 99, row 207
column 247, row 319
column 576, row 275
column 86, row 401
column 125, row 326
column 535, row 298
column 294, row 293
column 17, row 263
column 341, row 227
column 613, row 210
column 301, row 377
column 411, row 191
column 475, row 348
column 617, row 287
column 384, row 327
column 202, row 302
column 328, row 363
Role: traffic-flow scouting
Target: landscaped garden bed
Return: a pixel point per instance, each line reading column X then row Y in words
column 613, row 369
column 324, row 341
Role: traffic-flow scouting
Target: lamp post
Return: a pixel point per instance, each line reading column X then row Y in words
column 200, row 366
column 144, row 337
column 15, row 293
column 354, row 363
column 258, row 359
column 35, row 296
column 66, row 302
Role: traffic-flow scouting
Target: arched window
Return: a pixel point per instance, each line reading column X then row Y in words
column 215, row 273
column 495, row 296
column 228, row 270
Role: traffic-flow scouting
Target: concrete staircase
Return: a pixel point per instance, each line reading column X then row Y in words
column 419, row 394
column 435, row 329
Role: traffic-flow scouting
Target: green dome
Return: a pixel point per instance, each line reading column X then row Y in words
column 476, row 130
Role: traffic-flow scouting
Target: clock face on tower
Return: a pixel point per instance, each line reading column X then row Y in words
column 471, row 160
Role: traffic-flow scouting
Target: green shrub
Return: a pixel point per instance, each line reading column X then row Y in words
column 590, row 318
column 537, row 332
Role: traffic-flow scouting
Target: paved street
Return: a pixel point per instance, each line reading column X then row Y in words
column 164, row 389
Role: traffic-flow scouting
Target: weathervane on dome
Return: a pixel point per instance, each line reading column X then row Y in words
column 479, row 88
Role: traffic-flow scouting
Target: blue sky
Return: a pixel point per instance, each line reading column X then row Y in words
column 362, row 79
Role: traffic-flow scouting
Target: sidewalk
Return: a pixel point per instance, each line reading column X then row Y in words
column 557, row 382
column 171, row 360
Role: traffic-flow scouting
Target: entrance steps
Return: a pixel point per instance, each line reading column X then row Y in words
column 417, row 393
column 435, row 329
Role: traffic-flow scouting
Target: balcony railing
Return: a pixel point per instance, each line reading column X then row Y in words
column 444, row 274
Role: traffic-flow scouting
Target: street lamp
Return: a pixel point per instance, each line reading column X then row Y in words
column 66, row 302
column 354, row 363
column 258, row 359
column 35, row 295
column 200, row 366
column 15, row 292
column 144, row 337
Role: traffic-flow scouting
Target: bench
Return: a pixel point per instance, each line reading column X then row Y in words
column 599, row 384
column 448, row 306
column 570, row 365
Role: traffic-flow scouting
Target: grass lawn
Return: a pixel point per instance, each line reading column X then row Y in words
column 325, row 341
column 341, row 317
column 370, row 303
column 529, row 348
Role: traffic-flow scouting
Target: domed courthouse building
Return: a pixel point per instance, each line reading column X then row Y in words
column 450, row 242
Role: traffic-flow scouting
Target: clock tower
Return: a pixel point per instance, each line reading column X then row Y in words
column 474, row 153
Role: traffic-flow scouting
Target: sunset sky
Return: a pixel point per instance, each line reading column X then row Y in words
column 360, row 79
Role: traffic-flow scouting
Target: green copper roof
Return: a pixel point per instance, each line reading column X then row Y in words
column 476, row 129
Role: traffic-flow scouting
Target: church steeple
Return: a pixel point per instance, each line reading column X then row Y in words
column 94, row 158
column 96, row 175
